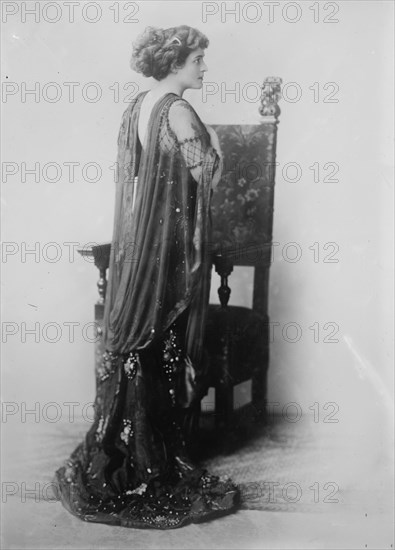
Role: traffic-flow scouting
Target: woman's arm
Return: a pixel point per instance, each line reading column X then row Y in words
column 215, row 143
column 198, row 143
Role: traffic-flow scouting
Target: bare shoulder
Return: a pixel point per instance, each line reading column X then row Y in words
column 183, row 118
column 181, row 108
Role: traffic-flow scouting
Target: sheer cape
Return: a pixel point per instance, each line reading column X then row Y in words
column 160, row 258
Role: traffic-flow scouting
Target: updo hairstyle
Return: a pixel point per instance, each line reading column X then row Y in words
column 156, row 52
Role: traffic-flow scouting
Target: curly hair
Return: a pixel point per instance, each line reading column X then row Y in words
column 157, row 51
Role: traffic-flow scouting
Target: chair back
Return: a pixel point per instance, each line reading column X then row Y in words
column 242, row 204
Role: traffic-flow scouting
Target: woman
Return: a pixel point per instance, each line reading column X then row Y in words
column 133, row 469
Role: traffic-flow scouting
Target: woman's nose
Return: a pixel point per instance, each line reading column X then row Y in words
column 204, row 68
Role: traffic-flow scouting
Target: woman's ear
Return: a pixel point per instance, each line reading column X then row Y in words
column 175, row 68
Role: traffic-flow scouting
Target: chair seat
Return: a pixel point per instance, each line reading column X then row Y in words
column 236, row 342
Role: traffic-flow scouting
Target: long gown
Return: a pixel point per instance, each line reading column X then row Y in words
column 132, row 469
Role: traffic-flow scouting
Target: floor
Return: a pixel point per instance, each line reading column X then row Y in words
column 344, row 501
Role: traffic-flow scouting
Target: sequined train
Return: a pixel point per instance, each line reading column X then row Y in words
column 112, row 478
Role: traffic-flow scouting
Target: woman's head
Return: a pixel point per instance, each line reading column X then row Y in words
column 160, row 52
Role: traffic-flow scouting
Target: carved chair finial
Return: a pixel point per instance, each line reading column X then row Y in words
column 271, row 95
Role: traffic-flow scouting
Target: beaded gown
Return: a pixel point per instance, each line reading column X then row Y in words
column 132, row 469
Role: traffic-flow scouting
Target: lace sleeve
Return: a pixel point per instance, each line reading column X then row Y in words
column 193, row 139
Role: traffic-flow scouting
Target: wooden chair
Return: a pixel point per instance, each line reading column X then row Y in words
column 237, row 338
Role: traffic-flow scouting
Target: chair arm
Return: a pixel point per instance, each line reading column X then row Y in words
column 101, row 257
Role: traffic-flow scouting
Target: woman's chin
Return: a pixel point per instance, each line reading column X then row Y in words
column 196, row 85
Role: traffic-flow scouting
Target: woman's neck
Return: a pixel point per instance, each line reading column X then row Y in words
column 168, row 85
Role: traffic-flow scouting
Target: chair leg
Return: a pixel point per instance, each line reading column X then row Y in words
column 259, row 386
column 223, row 406
column 190, row 427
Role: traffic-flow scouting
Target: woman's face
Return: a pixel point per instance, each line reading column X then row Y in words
column 190, row 75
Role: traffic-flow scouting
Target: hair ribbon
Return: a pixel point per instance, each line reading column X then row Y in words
column 174, row 40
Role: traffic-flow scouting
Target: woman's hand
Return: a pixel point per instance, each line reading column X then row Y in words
column 215, row 143
column 214, row 140
column 217, row 175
